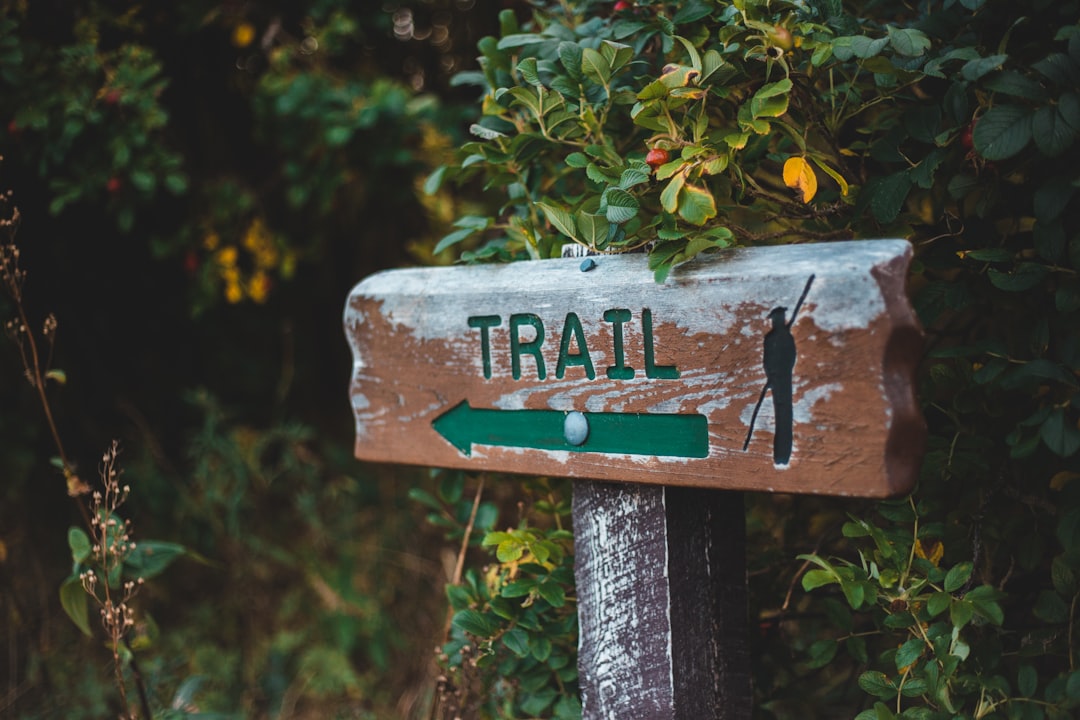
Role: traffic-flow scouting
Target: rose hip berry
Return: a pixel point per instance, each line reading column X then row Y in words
column 656, row 158
column 622, row 5
column 967, row 139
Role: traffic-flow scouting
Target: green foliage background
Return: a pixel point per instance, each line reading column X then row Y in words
column 201, row 185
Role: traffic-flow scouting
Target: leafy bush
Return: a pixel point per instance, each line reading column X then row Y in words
column 681, row 127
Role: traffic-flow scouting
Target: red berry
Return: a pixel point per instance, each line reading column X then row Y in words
column 13, row 128
column 623, row 5
column 114, row 184
column 656, row 158
column 191, row 262
column 112, row 97
column 967, row 140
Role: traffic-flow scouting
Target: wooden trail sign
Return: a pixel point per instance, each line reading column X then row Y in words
column 783, row 369
column 779, row 369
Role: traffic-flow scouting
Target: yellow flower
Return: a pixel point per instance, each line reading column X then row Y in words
column 211, row 240
column 259, row 287
column 233, row 293
column 226, row 256
column 243, row 35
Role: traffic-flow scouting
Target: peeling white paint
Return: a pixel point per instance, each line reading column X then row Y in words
column 422, row 300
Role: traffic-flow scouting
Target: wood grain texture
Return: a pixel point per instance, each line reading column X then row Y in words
column 854, row 424
column 661, row 581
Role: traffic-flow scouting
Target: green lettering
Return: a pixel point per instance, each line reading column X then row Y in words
column 652, row 370
column 532, row 347
column 572, row 329
column 484, row 322
column 618, row 371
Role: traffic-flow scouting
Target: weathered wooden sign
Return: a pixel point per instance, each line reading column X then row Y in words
column 782, row 369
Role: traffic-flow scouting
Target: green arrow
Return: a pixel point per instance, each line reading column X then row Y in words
column 666, row 434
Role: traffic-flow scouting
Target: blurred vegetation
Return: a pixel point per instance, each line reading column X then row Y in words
column 201, row 184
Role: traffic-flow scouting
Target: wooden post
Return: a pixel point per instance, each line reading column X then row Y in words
column 661, row 578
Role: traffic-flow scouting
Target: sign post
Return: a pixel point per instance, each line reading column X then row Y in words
column 779, row 369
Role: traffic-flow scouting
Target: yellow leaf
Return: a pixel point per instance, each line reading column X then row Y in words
column 936, row 551
column 834, row 174
column 1062, row 479
column 799, row 175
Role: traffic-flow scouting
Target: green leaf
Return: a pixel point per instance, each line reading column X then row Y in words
column 938, row 603
column 631, row 177
column 509, row 550
column 975, row 69
column 961, row 612
column 620, row 205
column 1072, row 685
column 74, row 600
column 475, row 623
column 696, row 205
column 458, row 596
column 1027, row 680
column 434, row 180
column 908, row 42
column 1057, row 68
column 452, row 239
column 80, row 544
column 593, row 229
column 1024, row 277
column 669, row 198
column 151, row 557
column 1060, row 434
column 143, row 180
column 517, row 641
column 529, row 73
column 814, row 579
column 577, row 160
column 1003, row 131
column 710, row 63
column 1069, row 107
column 1068, row 529
column 771, row 100
column 554, row 593
column 616, row 54
column 1010, row 82
column 849, row 46
column 1050, row 608
column 570, row 56
column 822, row 653
column 691, row 11
column 877, row 684
column 1052, row 134
column 1063, row 575
column 594, row 65
column 909, row 652
column 519, row 40
column 989, row 255
column 887, row 195
column 958, row 576
column 1051, row 199
column 560, row 218
column 541, row 646
column 984, row 600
